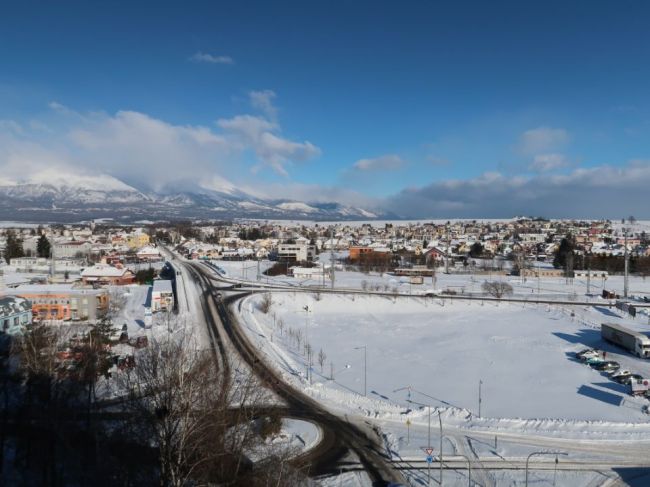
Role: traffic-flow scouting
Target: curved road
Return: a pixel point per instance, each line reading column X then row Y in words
column 347, row 436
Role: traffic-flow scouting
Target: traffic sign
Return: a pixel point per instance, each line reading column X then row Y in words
column 429, row 451
column 429, row 459
column 408, row 422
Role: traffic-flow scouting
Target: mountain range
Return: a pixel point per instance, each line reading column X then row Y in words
column 64, row 198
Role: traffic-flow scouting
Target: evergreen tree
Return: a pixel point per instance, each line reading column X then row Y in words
column 13, row 246
column 43, row 246
column 476, row 250
column 563, row 252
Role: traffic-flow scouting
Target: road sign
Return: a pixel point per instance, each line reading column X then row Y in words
column 429, row 459
column 429, row 451
column 408, row 422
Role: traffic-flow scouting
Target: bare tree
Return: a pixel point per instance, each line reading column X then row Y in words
column 202, row 435
column 266, row 303
column 280, row 325
column 321, row 359
column 298, row 335
column 497, row 289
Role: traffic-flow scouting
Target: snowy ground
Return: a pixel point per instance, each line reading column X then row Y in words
column 533, row 393
column 300, row 436
column 522, row 355
column 460, row 283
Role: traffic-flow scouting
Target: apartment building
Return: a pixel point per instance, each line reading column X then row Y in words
column 15, row 314
column 62, row 302
column 300, row 251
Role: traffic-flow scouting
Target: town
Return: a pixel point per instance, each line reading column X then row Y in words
column 68, row 289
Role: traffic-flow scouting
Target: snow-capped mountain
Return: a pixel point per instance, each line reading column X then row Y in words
column 54, row 197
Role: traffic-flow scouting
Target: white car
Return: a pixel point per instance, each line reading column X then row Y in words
column 587, row 354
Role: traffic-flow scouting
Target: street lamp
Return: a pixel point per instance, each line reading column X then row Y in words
column 308, row 363
column 410, row 389
column 365, row 368
column 556, row 453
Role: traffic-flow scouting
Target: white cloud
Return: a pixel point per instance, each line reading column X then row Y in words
column 387, row 162
column 261, row 135
column 202, row 57
column 548, row 162
column 314, row 193
column 598, row 192
column 543, row 139
column 144, row 151
column 263, row 101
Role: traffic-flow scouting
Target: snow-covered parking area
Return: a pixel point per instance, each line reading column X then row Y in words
column 522, row 355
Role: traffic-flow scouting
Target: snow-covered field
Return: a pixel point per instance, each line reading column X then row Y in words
column 522, row 355
column 534, row 395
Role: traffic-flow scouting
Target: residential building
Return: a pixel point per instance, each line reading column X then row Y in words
column 62, row 302
column 15, row 314
column 162, row 295
column 104, row 275
column 150, row 254
column 358, row 252
column 71, row 249
column 137, row 240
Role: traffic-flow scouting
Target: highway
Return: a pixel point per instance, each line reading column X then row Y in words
column 340, row 436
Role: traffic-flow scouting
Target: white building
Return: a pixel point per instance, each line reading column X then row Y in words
column 316, row 273
column 162, row 296
column 301, row 251
column 71, row 249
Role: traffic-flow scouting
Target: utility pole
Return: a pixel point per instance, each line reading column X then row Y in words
column 440, row 421
column 627, row 264
column 332, row 256
column 588, row 274
column 306, row 308
column 365, row 368
column 447, row 251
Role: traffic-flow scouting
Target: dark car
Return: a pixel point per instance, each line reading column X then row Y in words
column 621, row 378
column 627, row 380
column 606, row 366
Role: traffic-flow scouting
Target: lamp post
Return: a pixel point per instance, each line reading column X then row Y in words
column 627, row 264
column 307, row 364
column 365, row 368
column 556, row 453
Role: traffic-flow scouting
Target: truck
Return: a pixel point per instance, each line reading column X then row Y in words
column 630, row 340
column 639, row 386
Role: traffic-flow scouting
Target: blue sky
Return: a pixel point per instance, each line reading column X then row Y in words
column 363, row 101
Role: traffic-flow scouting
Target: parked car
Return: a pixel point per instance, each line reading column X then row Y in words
column 587, row 352
column 606, row 366
column 620, row 376
column 628, row 380
column 591, row 354
column 594, row 360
